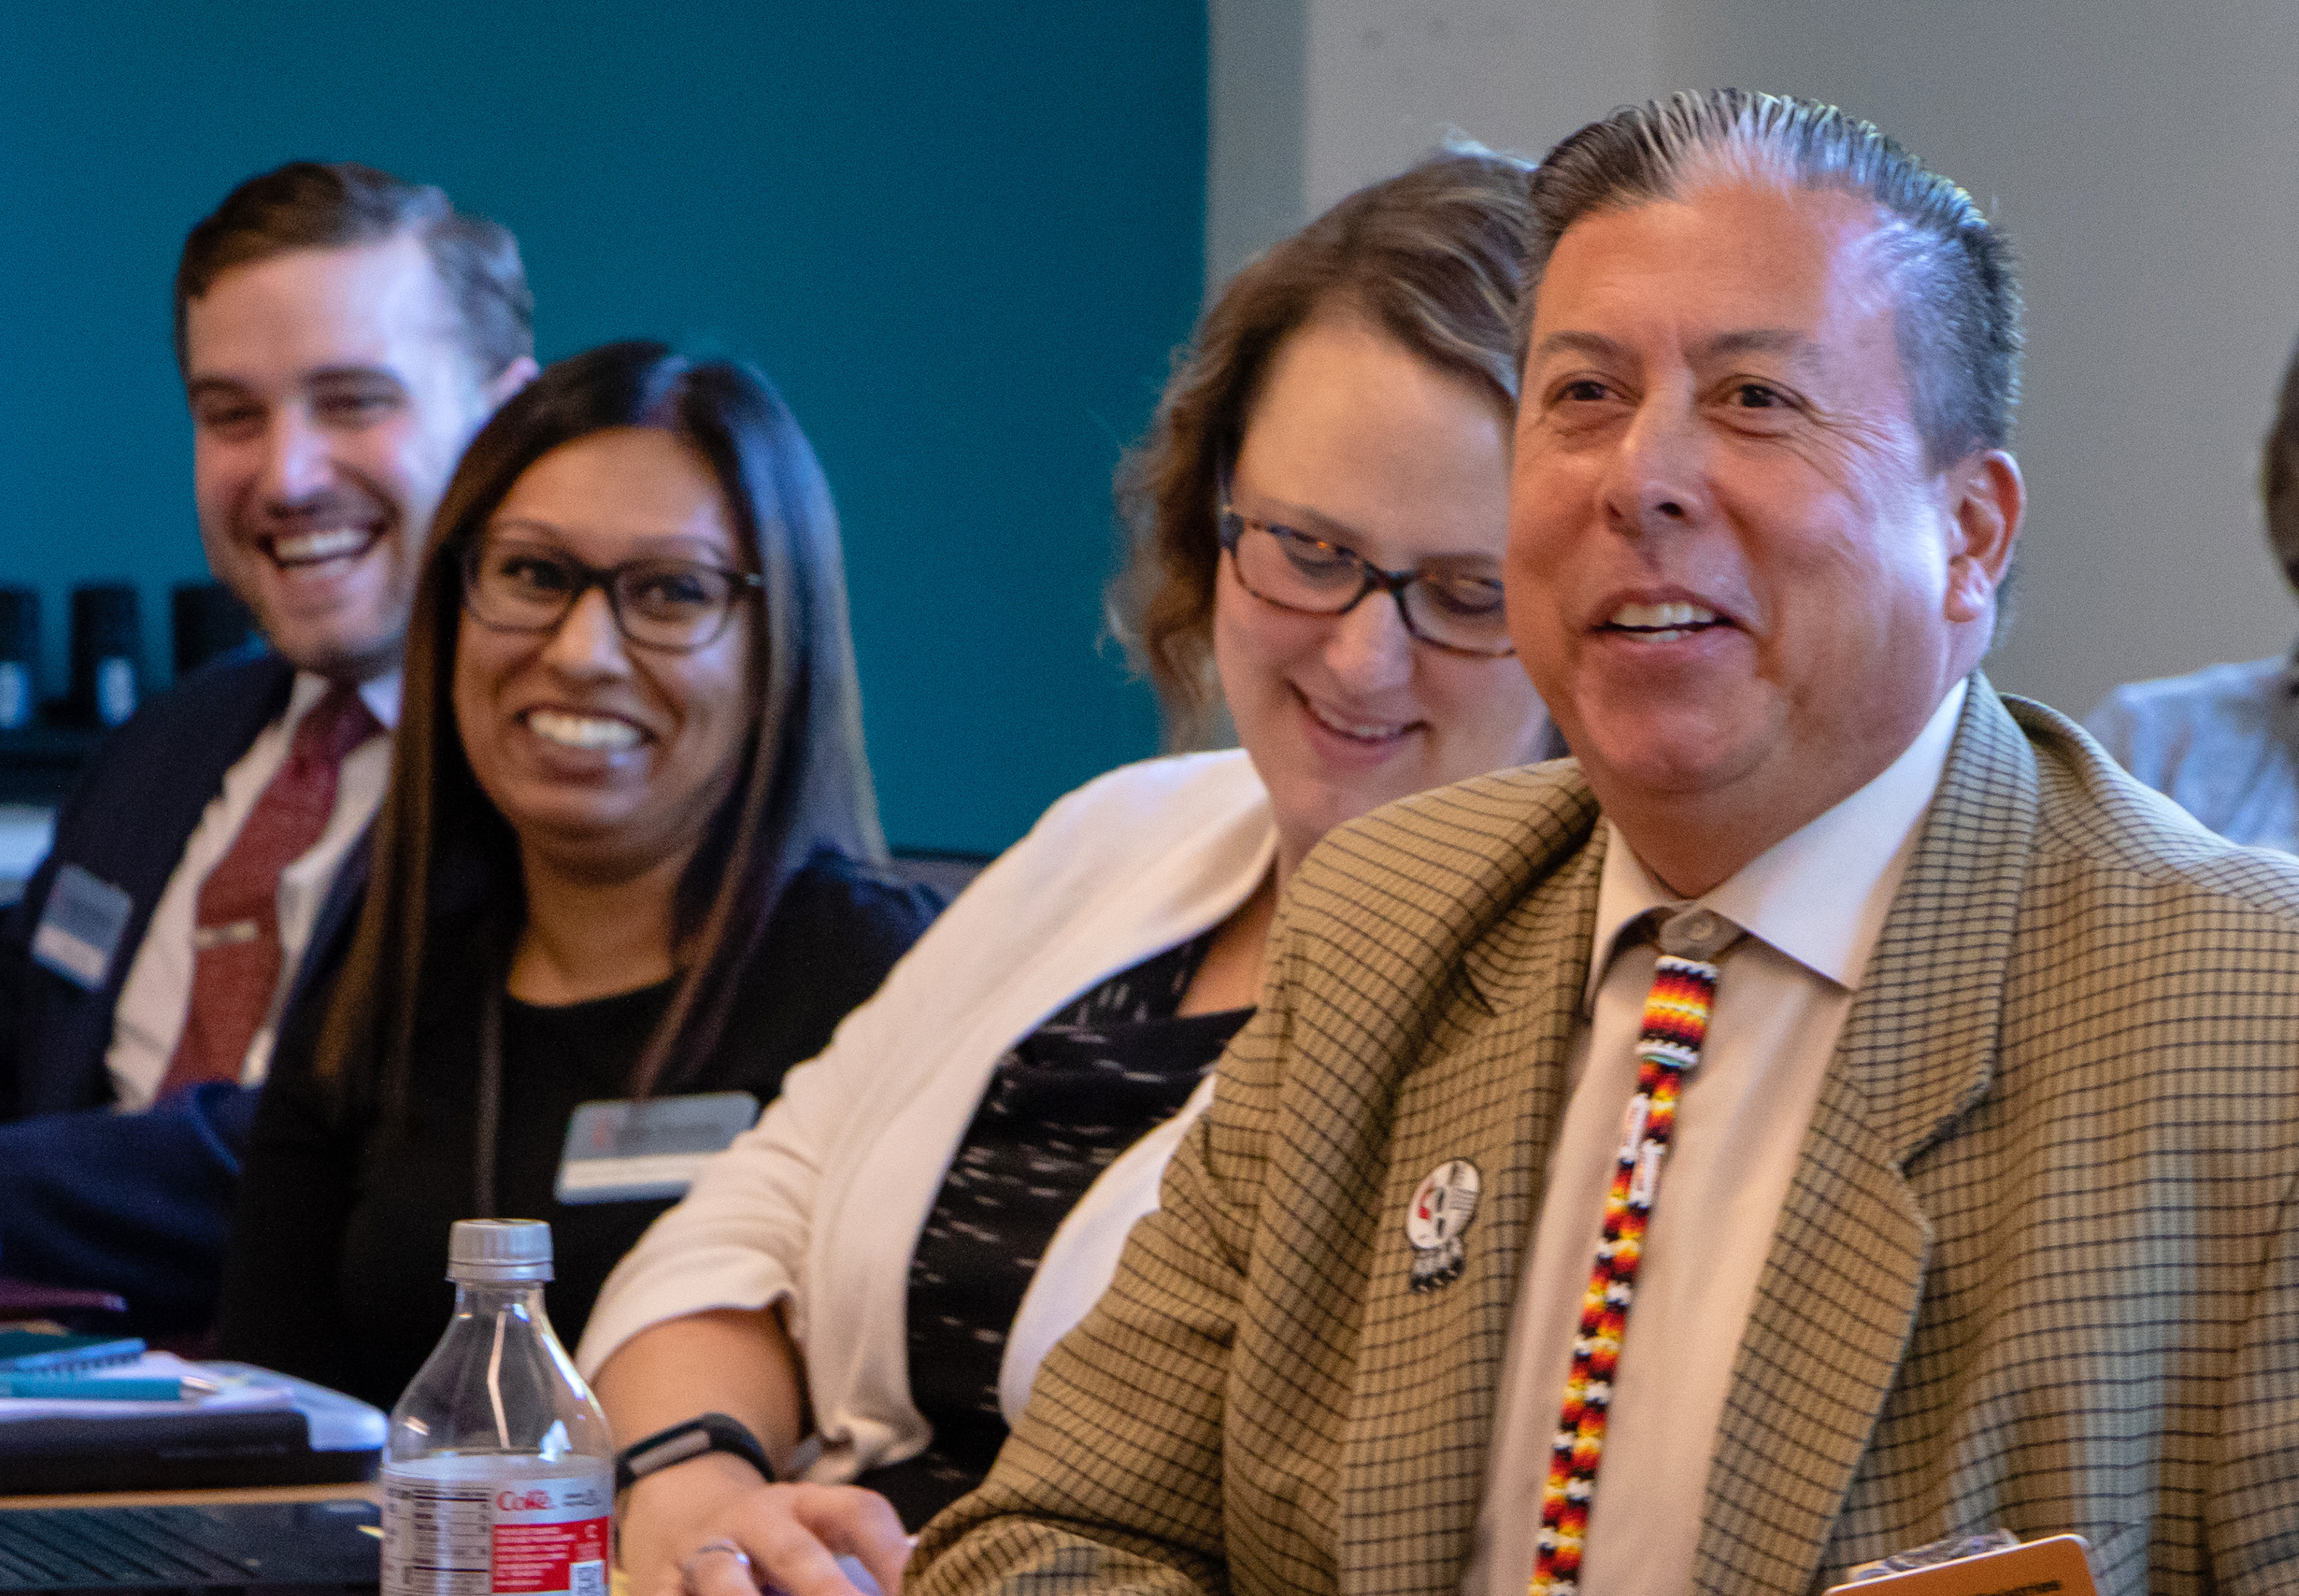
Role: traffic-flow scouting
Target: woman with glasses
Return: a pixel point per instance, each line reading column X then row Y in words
column 628, row 852
column 877, row 1270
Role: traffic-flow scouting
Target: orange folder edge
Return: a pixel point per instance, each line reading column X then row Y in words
column 2056, row 1567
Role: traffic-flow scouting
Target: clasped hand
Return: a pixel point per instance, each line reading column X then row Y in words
column 710, row 1527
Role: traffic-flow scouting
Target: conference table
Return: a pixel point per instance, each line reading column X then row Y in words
column 369, row 1491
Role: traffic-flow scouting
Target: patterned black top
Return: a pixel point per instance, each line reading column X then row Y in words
column 1061, row 1105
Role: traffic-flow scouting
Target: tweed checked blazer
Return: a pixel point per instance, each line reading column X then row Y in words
column 2037, row 1267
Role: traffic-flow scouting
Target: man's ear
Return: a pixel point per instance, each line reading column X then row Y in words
column 1989, row 499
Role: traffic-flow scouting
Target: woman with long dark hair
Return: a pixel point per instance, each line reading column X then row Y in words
column 629, row 850
column 868, row 1281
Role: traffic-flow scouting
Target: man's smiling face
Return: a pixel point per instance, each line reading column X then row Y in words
column 331, row 395
column 1733, row 574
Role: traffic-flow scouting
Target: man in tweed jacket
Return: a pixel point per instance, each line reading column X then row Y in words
column 2032, row 1264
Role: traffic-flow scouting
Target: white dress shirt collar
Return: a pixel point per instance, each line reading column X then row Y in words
column 381, row 695
column 148, row 1018
column 1814, row 894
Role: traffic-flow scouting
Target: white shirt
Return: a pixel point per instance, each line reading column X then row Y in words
column 1813, row 906
column 157, row 996
column 820, row 1208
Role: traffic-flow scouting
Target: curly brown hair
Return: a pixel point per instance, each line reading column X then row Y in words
column 1433, row 257
column 2279, row 474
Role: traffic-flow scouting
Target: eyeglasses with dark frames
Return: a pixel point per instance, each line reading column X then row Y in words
column 671, row 605
column 1452, row 603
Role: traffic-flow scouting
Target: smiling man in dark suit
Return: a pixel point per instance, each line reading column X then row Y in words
column 1936, row 1172
column 342, row 334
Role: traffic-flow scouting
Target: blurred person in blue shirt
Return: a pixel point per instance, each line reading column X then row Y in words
column 2224, row 742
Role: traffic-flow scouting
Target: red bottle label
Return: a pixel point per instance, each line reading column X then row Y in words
column 533, row 1558
column 450, row 1530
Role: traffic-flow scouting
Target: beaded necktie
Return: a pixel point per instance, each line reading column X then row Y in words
column 1675, row 1023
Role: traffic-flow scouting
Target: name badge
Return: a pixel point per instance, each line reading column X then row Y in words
column 643, row 1152
column 79, row 930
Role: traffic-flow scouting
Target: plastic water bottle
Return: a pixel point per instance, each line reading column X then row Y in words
column 498, row 1479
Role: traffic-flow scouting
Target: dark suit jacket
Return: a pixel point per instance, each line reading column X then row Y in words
column 137, row 1204
column 2039, row 1267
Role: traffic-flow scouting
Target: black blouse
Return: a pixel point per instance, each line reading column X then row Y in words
column 338, row 1253
column 1061, row 1107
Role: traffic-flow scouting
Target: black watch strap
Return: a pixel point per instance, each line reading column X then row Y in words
column 707, row 1432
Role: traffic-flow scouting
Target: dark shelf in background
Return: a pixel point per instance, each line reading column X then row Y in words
column 39, row 764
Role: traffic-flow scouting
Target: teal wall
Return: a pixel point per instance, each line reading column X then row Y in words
column 962, row 238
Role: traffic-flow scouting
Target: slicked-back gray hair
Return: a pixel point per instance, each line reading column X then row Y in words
column 1958, row 328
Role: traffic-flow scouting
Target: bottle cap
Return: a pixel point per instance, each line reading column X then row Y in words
column 496, row 1251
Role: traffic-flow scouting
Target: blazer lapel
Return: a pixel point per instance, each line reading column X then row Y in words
column 169, row 763
column 1489, row 1090
column 207, row 731
column 1841, row 1288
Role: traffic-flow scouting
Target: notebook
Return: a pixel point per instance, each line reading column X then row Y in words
column 45, row 1352
column 267, row 1429
column 316, row 1547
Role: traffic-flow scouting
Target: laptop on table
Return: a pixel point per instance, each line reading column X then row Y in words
column 264, row 1549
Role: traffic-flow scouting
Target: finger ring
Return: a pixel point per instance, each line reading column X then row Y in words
column 687, row 1564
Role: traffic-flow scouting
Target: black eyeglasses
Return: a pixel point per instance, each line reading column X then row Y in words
column 1452, row 602
column 672, row 606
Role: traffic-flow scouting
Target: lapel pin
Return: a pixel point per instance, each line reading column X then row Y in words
column 1442, row 1206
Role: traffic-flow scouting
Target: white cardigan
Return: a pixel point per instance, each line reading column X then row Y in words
column 820, row 1207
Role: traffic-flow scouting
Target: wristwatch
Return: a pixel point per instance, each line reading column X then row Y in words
column 691, row 1438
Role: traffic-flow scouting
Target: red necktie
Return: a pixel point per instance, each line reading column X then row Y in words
column 235, row 926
